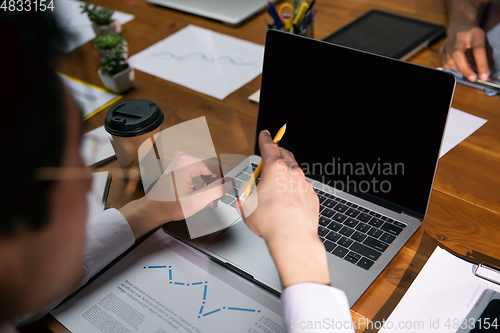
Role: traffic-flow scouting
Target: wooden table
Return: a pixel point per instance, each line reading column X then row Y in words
column 464, row 211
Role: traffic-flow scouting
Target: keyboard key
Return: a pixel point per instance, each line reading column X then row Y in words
column 363, row 227
column 248, row 170
column 329, row 203
column 387, row 238
column 354, row 255
column 351, row 259
column 375, row 233
column 329, row 246
column 333, row 236
column 391, row 228
column 375, row 244
column 339, row 217
column 399, row 224
column 322, row 199
column 365, row 263
column 365, row 251
column 237, row 183
column 346, row 231
column 228, row 199
column 324, row 221
column 243, row 177
column 322, row 231
column 341, row 208
column 318, row 191
column 345, row 242
column 358, row 236
column 363, row 217
column 350, row 222
column 340, row 251
column 352, row 212
column 327, row 212
column 376, row 222
column 335, row 226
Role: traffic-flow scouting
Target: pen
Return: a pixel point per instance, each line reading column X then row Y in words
column 310, row 6
column 256, row 173
column 274, row 14
column 302, row 10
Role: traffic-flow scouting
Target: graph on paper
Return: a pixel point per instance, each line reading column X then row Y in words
column 203, row 60
column 202, row 287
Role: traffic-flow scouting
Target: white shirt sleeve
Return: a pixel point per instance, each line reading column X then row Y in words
column 313, row 307
column 108, row 236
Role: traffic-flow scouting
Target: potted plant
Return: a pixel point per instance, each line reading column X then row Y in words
column 101, row 19
column 104, row 44
column 115, row 73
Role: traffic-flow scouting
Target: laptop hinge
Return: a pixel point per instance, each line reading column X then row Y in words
column 413, row 216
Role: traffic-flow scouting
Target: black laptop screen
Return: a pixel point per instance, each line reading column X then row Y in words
column 366, row 124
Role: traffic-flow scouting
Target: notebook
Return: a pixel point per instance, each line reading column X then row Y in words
column 98, row 193
column 96, row 148
column 234, row 12
column 368, row 139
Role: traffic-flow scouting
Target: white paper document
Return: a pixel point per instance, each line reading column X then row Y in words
column 162, row 286
column 440, row 298
column 460, row 126
column 203, row 60
column 90, row 98
column 70, row 17
column 96, row 147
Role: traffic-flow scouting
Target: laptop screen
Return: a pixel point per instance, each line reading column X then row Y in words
column 365, row 124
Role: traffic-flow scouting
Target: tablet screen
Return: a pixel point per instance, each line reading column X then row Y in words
column 386, row 34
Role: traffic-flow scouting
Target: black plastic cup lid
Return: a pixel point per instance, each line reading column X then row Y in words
column 133, row 117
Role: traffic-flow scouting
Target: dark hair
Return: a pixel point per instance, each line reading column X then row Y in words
column 32, row 117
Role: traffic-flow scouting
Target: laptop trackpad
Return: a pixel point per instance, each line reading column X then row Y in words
column 239, row 246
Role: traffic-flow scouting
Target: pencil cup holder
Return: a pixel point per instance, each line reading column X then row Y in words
column 307, row 31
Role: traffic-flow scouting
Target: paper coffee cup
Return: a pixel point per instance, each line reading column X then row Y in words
column 131, row 122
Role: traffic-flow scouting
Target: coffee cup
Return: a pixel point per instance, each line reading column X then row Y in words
column 130, row 123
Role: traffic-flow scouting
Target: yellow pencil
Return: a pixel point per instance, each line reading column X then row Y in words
column 256, row 173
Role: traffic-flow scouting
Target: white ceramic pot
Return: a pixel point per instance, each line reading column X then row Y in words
column 103, row 52
column 115, row 26
column 119, row 82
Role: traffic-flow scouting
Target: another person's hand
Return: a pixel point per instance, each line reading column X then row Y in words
column 463, row 40
column 284, row 212
column 175, row 196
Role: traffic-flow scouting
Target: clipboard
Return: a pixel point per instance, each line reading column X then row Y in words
column 488, row 272
column 443, row 295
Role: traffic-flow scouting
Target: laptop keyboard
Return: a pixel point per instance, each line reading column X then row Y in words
column 243, row 176
column 347, row 230
column 352, row 232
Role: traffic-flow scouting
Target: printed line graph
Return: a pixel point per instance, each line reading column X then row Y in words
column 202, row 60
column 203, row 308
column 208, row 58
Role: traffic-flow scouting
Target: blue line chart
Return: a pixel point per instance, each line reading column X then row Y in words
column 201, row 312
column 207, row 58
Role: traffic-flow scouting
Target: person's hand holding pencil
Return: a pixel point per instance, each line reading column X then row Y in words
column 246, row 192
column 285, row 214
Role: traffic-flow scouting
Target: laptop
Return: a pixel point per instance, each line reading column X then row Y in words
column 234, row 12
column 367, row 131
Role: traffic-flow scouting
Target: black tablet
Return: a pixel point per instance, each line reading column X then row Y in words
column 387, row 34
